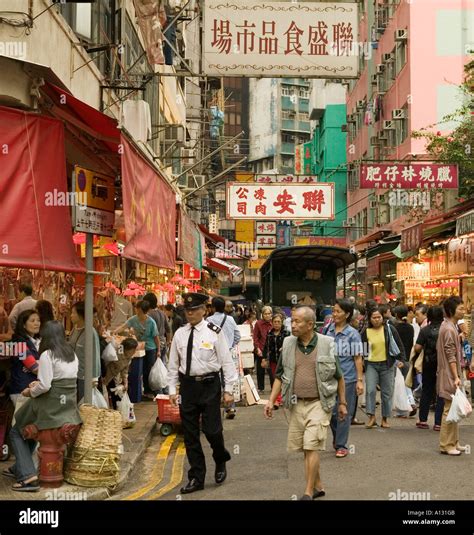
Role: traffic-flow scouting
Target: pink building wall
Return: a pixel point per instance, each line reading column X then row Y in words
column 417, row 84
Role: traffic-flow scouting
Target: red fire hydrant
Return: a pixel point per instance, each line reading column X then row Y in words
column 53, row 444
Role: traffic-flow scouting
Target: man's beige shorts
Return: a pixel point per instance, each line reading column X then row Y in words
column 308, row 426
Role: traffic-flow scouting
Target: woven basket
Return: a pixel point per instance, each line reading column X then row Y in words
column 93, row 461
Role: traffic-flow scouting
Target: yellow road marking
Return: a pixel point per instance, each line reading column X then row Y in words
column 176, row 474
column 158, row 469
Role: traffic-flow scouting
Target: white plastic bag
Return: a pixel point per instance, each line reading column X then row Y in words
column 400, row 398
column 98, row 399
column 127, row 411
column 460, row 407
column 110, row 353
column 158, row 377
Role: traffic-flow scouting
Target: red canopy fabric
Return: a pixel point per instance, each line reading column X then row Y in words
column 35, row 224
column 149, row 206
column 71, row 109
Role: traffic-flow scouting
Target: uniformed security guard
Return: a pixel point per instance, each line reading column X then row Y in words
column 198, row 352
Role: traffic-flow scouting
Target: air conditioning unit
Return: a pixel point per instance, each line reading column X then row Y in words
column 384, row 215
column 349, row 222
column 187, row 156
column 388, row 58
column 383, row 136
column 195, row 181
column 174, row 133
column 373, row 205
column 360, row 104
column 381, row 89
column 398, row 114
column 374, row 141
column 374, row 79
column 351, row 118
column 380, row 68
column 388, row 125
column 401, row 35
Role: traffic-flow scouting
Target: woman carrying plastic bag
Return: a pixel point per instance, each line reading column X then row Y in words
column 460, row 407
column 400, row 400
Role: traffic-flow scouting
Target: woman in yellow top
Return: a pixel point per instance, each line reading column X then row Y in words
column 382, row 348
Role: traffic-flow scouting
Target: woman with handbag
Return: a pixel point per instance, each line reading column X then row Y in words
column 383, row 348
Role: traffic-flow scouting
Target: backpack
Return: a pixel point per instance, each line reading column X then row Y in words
column 431, row 355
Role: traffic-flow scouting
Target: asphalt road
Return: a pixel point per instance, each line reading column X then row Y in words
column 383, row 464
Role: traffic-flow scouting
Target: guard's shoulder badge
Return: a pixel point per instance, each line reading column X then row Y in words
column 214, row 327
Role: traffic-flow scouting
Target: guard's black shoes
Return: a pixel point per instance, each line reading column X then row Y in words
column 192, row 486
column 221, row 473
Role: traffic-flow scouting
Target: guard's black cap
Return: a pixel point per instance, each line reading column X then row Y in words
column 194, row 300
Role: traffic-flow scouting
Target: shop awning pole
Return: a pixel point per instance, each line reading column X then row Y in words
column 344, row 293
column 89, row 306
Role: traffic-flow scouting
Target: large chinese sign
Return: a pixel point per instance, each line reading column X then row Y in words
column 409, row 176
column 280, row 201
column 320, row 240
column 252, row 38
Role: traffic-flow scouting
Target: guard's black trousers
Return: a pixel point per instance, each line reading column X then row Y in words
column 202, row 398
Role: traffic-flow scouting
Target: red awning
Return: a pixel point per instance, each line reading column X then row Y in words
column 225, row 267
column 85, row 117
column 35, row 225
column 375, row 236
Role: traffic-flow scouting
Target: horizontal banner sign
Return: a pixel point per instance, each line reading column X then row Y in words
column 411, row 176
column 280, row 201
column 249, row 38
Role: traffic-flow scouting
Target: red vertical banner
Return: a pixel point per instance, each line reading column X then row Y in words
column 149, row 205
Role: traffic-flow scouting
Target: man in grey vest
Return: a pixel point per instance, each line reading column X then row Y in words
column 309, row 377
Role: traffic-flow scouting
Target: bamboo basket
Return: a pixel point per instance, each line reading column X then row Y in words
column 93, row 461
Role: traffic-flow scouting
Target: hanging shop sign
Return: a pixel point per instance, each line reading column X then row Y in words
column 373, row 267
column 191, row 243
column 283, row 236
column 267, row 242
column 438, row 264
column 287, row 179
column 299, row 160
column 280, row 201
column 465, row 224
column 94, row 211
column 413, row 271
column 412, row 176
column 459, row 254
column 411, row 238
column 264, row 228
column 268, row 39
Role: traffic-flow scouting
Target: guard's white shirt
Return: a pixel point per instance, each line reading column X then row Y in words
column 210, row 354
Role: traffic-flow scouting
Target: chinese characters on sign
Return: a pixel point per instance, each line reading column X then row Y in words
column 99, row 193
column 413, row 271
column 252, row 200
column 266, row 227
column 411, row 238
column 191, row 273
column 410, row 176
column 94, row 221
column 245, row 37
column 287, row 179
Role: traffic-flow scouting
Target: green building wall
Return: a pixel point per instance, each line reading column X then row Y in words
column 329, row 164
